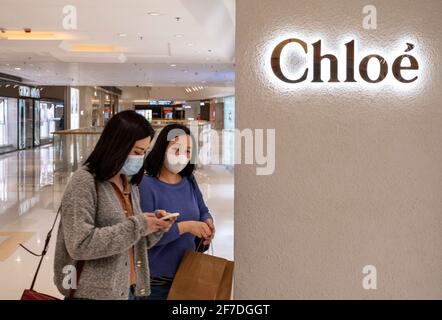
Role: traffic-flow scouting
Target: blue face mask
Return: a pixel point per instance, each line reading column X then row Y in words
column 132, row 165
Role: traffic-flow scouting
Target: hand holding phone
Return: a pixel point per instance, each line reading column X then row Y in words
column 170, row 216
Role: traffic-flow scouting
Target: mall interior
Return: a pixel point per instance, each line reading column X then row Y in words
column 170, row 61
column 357, row 176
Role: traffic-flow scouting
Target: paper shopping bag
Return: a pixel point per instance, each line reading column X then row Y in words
column 202, row 277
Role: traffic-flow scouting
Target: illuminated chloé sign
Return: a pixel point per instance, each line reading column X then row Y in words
column 404, row 67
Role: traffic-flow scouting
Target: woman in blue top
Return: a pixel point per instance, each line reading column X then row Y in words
column 169, row 184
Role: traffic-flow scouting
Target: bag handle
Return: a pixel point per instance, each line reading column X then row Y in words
column 201, row 243
column 194, row 187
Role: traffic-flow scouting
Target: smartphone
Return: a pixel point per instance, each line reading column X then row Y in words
column 169, row 216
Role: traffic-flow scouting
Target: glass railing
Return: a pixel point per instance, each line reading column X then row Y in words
column 72, row 147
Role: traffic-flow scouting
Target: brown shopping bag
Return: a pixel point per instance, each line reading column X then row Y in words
column 202, row 277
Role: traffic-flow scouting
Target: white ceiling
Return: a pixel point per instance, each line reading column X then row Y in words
column 201, row 44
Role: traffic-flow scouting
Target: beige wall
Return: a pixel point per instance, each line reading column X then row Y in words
column 358, row 176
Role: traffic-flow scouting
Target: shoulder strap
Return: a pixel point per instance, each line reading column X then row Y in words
column 45, row 248
column 46, row 245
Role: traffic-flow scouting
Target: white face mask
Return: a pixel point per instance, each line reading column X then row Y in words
column 175, row 163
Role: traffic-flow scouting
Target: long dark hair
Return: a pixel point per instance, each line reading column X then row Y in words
column 155, row 159
column 116, row 142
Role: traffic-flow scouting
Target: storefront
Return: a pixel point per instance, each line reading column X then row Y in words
column 8, row 124
column 161, row 109
column 96, row 105
column 51, row 119
column 25, row 120
column 28, row 117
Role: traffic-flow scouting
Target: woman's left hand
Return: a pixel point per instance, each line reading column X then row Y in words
column 211, row 225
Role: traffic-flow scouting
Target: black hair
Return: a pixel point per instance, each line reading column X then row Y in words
column 116, row 142
column 155, row 158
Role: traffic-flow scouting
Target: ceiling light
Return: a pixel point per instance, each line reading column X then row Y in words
column 35, row 35
column 17, row 68
column 83, row 47
column 173, row 65
column 154, row 14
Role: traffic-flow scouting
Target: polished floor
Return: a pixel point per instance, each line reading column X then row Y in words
column 31, row 187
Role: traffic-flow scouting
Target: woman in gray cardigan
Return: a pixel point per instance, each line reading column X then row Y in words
column 103, row 235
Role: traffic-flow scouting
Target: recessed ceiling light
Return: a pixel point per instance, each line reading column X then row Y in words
column 154, row 14
column 173, row 65
column 17, row 68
